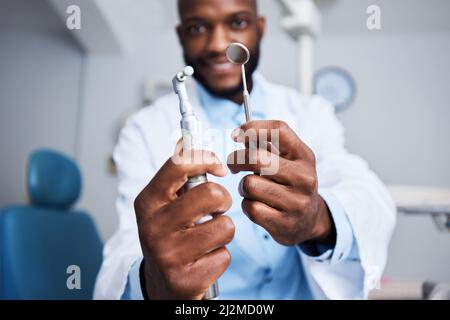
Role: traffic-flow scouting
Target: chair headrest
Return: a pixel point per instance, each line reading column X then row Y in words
column 53, row 180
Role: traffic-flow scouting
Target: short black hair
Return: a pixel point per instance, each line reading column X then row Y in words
column 180, row 4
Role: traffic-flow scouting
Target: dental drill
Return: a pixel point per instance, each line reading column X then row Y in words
column 191, row 134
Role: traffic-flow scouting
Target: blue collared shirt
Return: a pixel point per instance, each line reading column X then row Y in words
column 260, row 267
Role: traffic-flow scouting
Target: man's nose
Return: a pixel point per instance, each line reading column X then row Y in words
column 218, row 40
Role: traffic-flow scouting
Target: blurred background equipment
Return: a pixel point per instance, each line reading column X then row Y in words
column 336, row 85
column 429, row 201
column 303, row 23
column 42, row 239
column 433, row 203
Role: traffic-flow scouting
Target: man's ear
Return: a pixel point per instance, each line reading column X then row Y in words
column 261, row 25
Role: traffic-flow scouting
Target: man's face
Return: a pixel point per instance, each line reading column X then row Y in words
column 207, row 28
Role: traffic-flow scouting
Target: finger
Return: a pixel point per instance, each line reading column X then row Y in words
column 183, row 212
column 178, row 147
column 280, row 136
column 298, row 174
column 261, row 162
column 195, row 242
column 192, row 280
column 176, row 171
column 164, row 186
column 211, row 266
column 277, row 196
column 267, row 217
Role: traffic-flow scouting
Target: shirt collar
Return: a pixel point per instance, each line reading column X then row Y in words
column 223, row 112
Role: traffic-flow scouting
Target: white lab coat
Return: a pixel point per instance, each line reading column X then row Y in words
column 148, row 140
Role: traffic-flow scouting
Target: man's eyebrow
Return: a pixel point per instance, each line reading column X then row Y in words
column 193, row 19
column 242, row 13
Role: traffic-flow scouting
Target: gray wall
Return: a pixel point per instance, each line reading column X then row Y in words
column 40, row 72
column 398, row 121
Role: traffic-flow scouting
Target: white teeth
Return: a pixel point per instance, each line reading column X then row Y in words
column 222, row 66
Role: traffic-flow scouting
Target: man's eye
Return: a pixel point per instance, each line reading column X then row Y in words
column 196, row 29
column 239, row 24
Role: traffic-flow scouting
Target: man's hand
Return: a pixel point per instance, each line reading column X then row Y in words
column 285, row 203
column 182, row 259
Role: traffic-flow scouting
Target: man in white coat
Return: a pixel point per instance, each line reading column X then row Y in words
column 317, row 227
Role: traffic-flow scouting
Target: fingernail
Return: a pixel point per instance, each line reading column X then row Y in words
column 224, row 169
column 241, row 187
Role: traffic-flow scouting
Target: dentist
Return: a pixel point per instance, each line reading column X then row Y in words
column 317, row 228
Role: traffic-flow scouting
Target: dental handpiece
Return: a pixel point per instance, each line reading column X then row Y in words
column 192, row 140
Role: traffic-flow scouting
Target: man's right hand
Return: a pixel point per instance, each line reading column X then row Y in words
column 181, row 258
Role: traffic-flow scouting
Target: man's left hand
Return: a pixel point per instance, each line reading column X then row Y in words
column 286, row 203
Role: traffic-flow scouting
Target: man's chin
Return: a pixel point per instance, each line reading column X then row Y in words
column 219, row 89
column 224, row 92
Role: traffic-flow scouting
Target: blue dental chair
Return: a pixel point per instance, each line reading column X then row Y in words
column 40, row 243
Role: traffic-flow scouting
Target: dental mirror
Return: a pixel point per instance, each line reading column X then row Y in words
column 238, row 54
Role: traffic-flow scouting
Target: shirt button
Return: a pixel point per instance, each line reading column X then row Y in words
column 267, row 275
column 266, row 237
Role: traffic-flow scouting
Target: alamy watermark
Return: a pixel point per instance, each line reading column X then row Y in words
column 73, row 281
column 373, row 22
column 261, row 151
column 374, row 17
column 73, row 21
